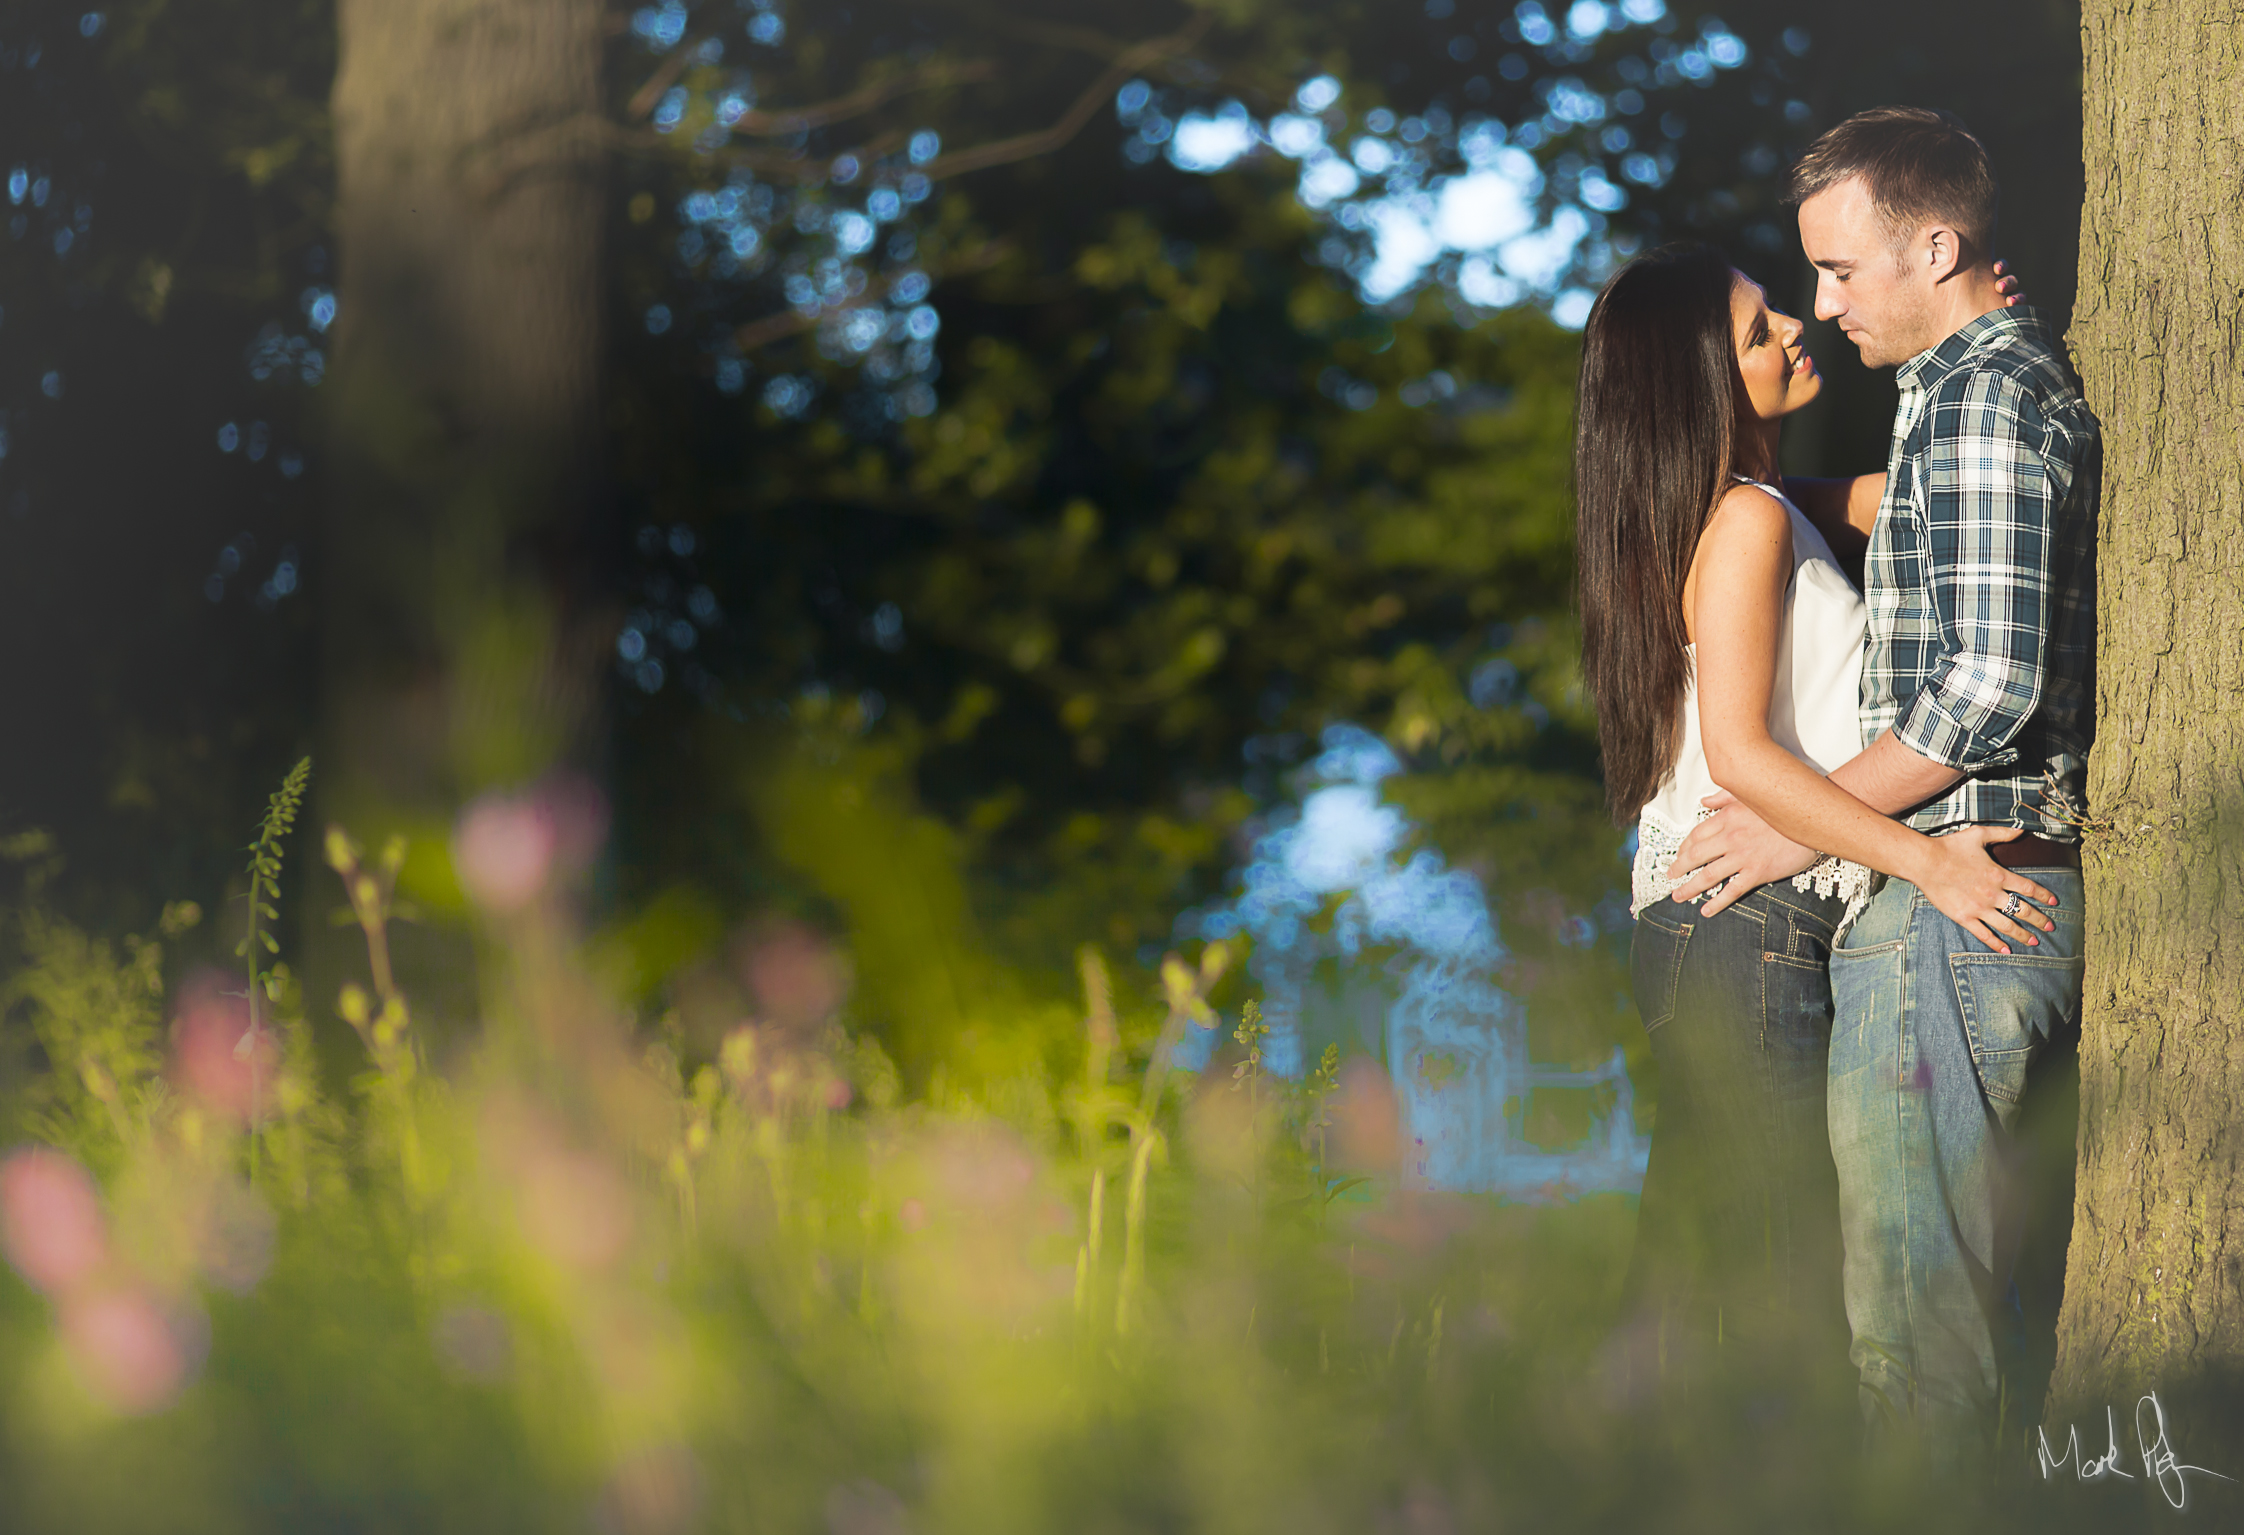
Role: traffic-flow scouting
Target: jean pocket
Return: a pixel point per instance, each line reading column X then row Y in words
column 2011, row 1004
column 1804, row 935
column 1796, row 1022
column 1656, row 966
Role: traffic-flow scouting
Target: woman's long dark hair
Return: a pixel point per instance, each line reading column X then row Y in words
column 1656, row 432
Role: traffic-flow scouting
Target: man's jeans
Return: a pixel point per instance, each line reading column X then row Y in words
column 1737, row 1240
column 1933, row 1035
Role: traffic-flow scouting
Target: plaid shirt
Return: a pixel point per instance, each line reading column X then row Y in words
column 1980, row 579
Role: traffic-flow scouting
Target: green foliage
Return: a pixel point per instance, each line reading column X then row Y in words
column 97, row 1015
column 264, row 881
column 1184, row 498
column 1133, row 537
column 1144, row 529
column 576, row 1275
column 104, row 1093
column 258, row 941
column 836, row 812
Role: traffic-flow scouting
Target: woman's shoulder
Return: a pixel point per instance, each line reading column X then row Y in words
column 1751, row 513
column 1744, row 549
column 1754, row 505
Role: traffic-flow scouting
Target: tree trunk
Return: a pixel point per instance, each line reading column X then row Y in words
column 465, row 400
column 2154, row 1292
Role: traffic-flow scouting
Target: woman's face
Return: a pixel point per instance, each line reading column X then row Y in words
column 1779, row 375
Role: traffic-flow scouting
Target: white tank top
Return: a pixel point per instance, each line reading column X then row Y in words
column 1815, row 713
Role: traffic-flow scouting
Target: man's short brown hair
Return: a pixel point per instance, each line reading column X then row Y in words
column 1919, row 165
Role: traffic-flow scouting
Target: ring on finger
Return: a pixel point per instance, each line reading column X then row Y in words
column 2010, row 904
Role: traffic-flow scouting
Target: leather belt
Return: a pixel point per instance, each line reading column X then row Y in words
column 2032, row 852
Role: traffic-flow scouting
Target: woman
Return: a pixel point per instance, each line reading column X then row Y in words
column 1722, row 643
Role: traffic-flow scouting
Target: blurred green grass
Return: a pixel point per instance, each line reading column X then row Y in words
column 588, row 1271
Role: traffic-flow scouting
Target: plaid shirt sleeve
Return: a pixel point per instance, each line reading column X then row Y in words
column 1988, row 506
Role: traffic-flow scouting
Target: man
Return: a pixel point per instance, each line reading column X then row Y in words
column 1975, row 711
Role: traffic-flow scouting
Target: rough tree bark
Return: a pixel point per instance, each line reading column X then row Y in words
column 2154, row 1292
column 465, row 400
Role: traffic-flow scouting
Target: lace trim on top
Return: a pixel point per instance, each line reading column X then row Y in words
column 1657, row 847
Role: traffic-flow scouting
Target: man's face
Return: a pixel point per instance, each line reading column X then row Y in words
column 1881, row 297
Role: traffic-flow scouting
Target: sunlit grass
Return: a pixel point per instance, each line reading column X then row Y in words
column 591, row 1273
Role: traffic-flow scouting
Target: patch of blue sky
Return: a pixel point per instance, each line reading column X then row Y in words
column 1403, row 246
column 660, row 27
column 1598, row 191
column 1485, row 208
column 1571, row 101
column 1344, row 837
column 1406, row 961
column 1482, row 283
column 1295, row 136
column 1571, row 307
column 1205, row 143
column 1344, row 844
column 1489, row 214
column 1325, row 180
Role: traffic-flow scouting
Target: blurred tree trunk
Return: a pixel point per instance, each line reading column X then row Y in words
column 463, row 525
column 2154, row 1293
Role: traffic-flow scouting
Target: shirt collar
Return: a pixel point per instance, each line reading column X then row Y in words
column 1929, row 367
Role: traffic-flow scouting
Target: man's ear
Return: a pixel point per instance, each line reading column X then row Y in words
column 1943, row 251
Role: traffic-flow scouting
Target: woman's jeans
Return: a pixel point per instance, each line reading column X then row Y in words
column 1935, row 1033
column 1738, row 1236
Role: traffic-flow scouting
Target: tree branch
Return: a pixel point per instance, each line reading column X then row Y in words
column 778, row 327
column 666, row 75
column 1025, row 146
column 774, row 165
column 772, row 125
column 1028, row 146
